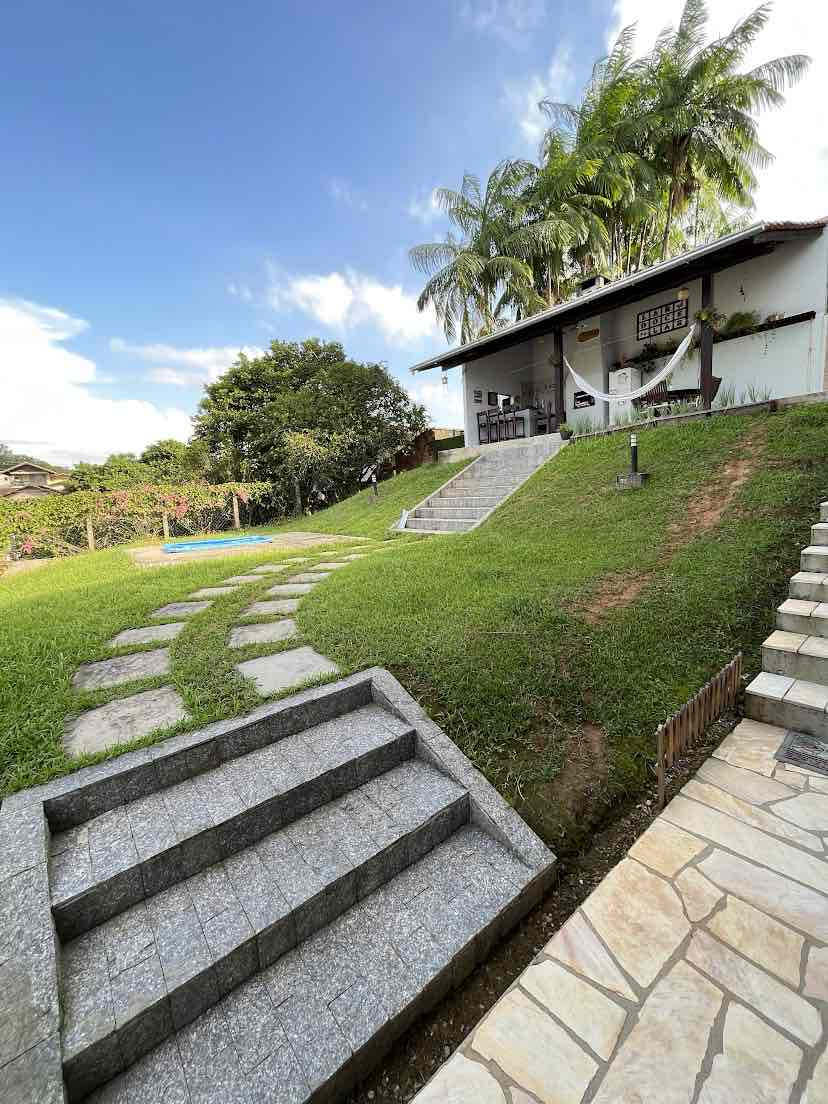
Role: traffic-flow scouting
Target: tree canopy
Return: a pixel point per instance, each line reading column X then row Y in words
column 305, row 416
column 659, row 155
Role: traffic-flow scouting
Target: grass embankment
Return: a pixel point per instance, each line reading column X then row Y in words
column 552, row 641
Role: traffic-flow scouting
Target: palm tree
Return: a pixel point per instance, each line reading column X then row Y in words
column 477, row 280
column 697, row 117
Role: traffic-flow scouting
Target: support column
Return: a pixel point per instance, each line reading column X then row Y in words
column 558, row 373
column 706, row 344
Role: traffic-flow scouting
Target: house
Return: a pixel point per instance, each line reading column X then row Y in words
column 769, row 280
column 29, row 480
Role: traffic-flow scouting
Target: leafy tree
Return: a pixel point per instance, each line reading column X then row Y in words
column 302, row 412
column 173, row 461
column 119, row 471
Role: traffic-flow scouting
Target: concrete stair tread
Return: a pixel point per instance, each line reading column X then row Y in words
column 109, row 862
column 129, row 982
column 319, row 1017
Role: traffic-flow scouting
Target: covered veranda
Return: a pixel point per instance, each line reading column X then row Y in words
column 619, row 336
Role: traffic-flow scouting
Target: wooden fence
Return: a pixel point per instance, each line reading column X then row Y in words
column 681, row 731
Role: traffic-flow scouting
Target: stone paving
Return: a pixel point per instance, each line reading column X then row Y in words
column 696, row 972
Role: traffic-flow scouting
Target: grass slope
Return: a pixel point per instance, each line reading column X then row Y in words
column 488, row 629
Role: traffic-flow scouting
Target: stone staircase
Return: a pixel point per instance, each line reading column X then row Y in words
column 792, row 690
column 467, row 500
column 257, row 910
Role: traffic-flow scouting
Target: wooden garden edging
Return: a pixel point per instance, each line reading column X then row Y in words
column 681, row 731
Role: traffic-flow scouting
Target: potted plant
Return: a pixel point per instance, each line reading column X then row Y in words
column 565, row 431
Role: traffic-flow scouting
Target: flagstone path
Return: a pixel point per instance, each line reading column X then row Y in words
column 697, row 971
column 139, row 714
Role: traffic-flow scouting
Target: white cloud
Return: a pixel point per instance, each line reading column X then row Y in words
column 796, row 184
column 184, row 367
column 426, row 209
column 343, row 300
column 342, row 192
column 240, row 291
column 444, row 402
column 522, row 98
column 48, row 407
column 512, row 21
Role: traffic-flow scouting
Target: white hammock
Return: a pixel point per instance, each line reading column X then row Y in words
column 680, row 352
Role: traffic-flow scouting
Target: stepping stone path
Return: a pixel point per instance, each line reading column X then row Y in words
column 128, row 668
column 138, row 715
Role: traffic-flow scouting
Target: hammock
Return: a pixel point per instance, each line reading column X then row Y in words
column 680, row 352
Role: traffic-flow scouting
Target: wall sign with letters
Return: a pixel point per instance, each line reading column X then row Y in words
column 581, row 399
column 478, row 396
column 661, row 320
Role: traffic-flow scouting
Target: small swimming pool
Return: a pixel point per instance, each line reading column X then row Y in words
column 218, row 542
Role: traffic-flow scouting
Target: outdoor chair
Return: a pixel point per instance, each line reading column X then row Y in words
column 483, row 427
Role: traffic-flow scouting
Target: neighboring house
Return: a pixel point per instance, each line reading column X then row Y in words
column 29, row 480
column 777, row 271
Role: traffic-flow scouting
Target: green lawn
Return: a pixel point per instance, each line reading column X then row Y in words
column 62, row 614
column 487, row 629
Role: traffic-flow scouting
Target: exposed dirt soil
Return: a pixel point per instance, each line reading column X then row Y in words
column 703, row 513
column 583, row 772
column 422, row 1050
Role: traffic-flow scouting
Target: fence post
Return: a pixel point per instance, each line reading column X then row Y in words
column 661, row 781
column 90, row 533
column 165, row 524
column 236, row 522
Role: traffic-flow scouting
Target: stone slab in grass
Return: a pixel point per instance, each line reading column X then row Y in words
column 268, row 633
column 123, row 720
column 213, row 592
column 266, row 569
column 355, row 556
column 332, row 566
column 242, row 579
column 297, row 559
column 128, row 668
column 150, row 634
column 181, row 609
column 285, row 605
column 309, row 577
column 285, row 669
column 290, row 588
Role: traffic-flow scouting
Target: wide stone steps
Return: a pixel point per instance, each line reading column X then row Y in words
column 485, row 502
column 814, row 558
column 130, row 982
column 313, row 1023
column 256, row 910
column 788, row 703
column 133, row 851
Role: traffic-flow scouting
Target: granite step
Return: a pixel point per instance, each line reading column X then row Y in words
column 470, row 512
column 798, row 616
column 313, row 1023
column 108, row 863
column 787, row 702
column 814, row 558
column 812, row 586
column 796, row 655
column 130, row 982
column 441, row 525
column 486, row 502
column 823, row 511
column 819, row 533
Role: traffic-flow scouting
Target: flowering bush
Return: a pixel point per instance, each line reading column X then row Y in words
column 56, row 525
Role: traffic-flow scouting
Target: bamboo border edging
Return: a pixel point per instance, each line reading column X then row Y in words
column 681, row 730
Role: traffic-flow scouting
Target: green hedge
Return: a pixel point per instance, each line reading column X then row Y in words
column 57, row 525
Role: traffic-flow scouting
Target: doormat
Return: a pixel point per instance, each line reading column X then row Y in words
column 808, row 752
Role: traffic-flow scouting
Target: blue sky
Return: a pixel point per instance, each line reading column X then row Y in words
column 182, row 180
